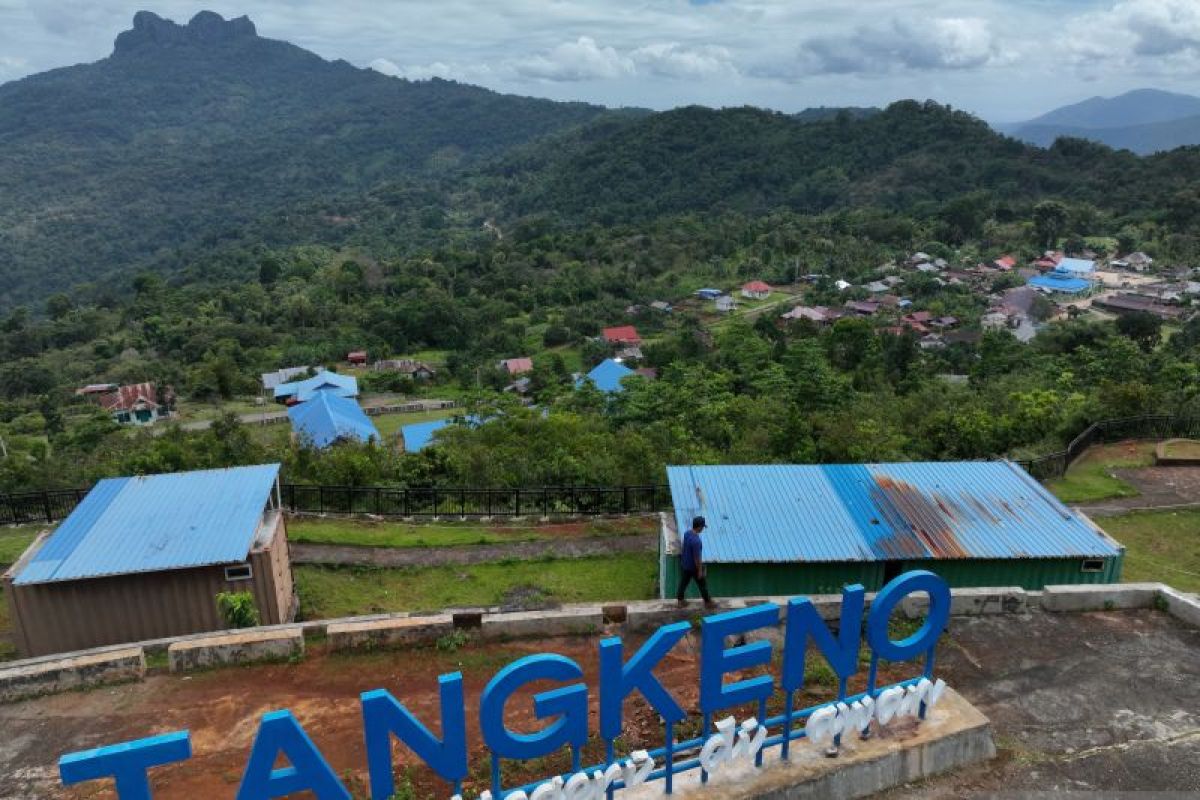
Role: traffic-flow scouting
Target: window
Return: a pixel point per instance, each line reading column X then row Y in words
column 241, row 572
column 1093, row 565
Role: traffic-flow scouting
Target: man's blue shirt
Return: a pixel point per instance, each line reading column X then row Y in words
column 692, row 550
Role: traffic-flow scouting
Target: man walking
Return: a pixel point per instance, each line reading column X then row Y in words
column 691, row 565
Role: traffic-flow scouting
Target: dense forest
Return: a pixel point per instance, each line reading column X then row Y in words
column 206, row 205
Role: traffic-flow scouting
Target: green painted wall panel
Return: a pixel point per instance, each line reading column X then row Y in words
column 757, row 580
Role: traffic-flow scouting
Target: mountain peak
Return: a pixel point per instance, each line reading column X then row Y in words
column 207, row 27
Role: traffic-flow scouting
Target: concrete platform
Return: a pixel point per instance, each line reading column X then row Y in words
column 369, row 634
column 235, row 648
column 956, row 735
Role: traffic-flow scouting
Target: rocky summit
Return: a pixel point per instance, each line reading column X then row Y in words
column 207, row 27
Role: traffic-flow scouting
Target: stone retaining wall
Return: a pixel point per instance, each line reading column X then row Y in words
column 86, row 669
column 79, row 671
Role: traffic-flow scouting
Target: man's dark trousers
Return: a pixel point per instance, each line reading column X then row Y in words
column 687, row 577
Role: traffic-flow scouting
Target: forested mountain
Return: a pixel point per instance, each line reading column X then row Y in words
column 186, row 133
column 1144, row 121
column 910, row 156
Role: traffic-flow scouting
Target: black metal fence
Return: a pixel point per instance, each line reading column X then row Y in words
column 1054, row 465
column 387, row 501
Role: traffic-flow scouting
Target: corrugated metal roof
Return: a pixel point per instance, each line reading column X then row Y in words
column 1060, row 282
column 872, row 512
column 156, row 522
column 326, row 381
column 327, row 418
column 1081, row 265
column 607, row 375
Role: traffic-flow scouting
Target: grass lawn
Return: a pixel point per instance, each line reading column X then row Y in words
column 327, row 592
column 339, row 530
column 13, row 541
column 1183, row 448
column 389, row 425
column 1159, row 546
column 1089, row 479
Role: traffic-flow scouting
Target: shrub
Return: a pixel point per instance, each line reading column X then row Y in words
column 237, row 609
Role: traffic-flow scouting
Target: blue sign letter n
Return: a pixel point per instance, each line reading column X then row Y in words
column 384, row 717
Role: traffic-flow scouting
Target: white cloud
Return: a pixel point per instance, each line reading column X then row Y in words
column 946, row 43
column 673, row 60
column 1146, row 36
column 580, row 60
column 466, row 73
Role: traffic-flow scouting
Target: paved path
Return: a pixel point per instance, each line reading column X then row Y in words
column 347, row 555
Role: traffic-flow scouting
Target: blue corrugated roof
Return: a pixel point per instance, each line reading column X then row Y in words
column 873, row 512
column 607, row 375
column 1079, row 265
column 327, row 418
column 340, row 385
column 1059, row 282
column 156, row 522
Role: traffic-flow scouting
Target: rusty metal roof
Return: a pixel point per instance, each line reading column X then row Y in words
column 879, row 512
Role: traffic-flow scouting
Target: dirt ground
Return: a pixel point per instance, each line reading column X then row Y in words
column 1157, row 487
column 1107, row 700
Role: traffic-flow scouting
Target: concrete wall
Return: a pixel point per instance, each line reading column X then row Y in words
column 86, row 669
column 23, row 680
column 236, row 647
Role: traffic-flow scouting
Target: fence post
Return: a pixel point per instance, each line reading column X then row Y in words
column 517, row 504
column 378, row 502
column 625, row 499
column 321, row 499
column 46, row 506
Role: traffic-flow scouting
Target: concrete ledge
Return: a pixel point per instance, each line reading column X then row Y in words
column 649, row 615
column 558, row 622
column 245, row 647
column 1184, row 607
column 956, row 735
column 971, row 602
column 388, row 632
column 1100, row 597
column 76, row 672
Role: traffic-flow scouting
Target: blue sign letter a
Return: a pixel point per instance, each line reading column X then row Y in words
column 384, row 716
column 280, row 733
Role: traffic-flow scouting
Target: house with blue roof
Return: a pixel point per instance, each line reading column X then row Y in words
column 325, row 381
column 145, row 557
column 1076, row 266
column 1061, row 281
column 607, row 376
column 788, row 529
column 327, row 419
column 419, row 435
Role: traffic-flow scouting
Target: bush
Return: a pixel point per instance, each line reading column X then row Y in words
column 237, row 609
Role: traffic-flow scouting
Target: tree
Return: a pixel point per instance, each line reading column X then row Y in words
column 58, row 306
column 1143, row 328
column 1049, row 219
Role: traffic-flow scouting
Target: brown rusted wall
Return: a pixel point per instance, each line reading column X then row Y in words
column 74, row 615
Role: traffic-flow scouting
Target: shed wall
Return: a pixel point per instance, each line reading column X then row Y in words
column 73, row 615
column 758, row 580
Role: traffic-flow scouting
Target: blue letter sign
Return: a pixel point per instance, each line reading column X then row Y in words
column 564, row 710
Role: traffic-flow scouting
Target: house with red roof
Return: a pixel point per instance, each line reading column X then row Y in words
column 756, row 290
column 621, row 335
column 517, row 366
column 135, row 404
column 1005, row 263
column 357, row 357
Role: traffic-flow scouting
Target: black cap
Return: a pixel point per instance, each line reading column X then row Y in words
column 697, row 523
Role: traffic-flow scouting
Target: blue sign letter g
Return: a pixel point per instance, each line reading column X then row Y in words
column 569, row 703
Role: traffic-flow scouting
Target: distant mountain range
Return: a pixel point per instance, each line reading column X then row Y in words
column 1144, row 121
column 192, row 148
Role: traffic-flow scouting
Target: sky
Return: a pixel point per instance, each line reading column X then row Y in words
column 1004, row 60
